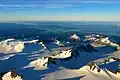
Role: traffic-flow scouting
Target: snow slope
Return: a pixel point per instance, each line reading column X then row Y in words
column 76, row 61
column 86, row 72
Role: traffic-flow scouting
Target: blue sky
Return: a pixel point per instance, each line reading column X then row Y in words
column 59, row 10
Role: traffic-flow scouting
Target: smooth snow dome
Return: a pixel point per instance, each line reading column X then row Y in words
column 14, row 46
column 11, row 46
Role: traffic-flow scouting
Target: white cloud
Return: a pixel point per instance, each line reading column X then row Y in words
column 18, row 5
column 84, row 1
column 61, row 18
column 39, row 5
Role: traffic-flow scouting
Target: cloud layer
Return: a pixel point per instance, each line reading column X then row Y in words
column 51, row 10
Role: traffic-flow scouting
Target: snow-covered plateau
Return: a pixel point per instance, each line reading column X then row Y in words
column 95, row 57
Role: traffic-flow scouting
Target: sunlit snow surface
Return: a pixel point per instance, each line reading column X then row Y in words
column 68, row 54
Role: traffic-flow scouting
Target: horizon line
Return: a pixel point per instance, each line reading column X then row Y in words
column 59, row 21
